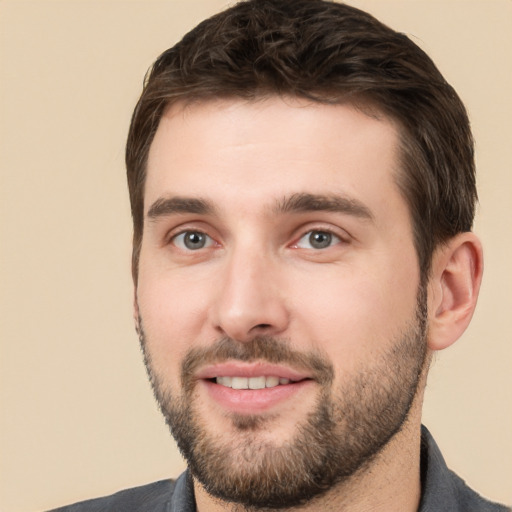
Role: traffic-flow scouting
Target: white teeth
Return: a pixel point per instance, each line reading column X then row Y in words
column 256, row 382
column 272, row 382
column 239, row 382
column 251, row 382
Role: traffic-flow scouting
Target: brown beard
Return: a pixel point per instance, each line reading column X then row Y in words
column 344, row 432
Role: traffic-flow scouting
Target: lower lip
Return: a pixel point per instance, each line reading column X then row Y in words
column 253, row 401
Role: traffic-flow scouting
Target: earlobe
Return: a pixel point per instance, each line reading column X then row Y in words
column 457, row 269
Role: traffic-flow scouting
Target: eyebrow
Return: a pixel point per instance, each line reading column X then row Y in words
column 304, row 202
column 172, row 205
column 296, row 203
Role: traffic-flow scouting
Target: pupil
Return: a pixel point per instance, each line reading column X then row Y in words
column 194, row 240
column 320, row 239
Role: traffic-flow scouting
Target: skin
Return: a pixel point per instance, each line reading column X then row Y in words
column 258, row 274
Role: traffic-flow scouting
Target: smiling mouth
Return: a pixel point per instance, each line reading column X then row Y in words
column 253, row 389
column 260, row 382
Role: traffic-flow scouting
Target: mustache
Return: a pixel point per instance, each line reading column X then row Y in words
column 261, row 348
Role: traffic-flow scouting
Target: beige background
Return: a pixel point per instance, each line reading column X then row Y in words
column 77, row 418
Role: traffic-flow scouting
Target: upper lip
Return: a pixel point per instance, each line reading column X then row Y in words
column 252, row 369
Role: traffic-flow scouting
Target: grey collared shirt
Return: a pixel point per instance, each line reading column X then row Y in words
column 442, row 491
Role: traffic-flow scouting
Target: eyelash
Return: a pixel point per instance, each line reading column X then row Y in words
column 210, row 241
column 332, row 239
column 196, row 232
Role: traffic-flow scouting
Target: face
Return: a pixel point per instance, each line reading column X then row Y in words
column 278, row 296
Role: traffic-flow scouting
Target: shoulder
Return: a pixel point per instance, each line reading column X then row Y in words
column 443, row 490
column 148, row 498
column 469, row 500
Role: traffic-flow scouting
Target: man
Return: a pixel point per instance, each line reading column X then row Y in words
column 302, row 188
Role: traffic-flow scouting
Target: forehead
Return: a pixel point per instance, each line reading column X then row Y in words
column 271, row 148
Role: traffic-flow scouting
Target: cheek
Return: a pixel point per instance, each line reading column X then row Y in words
column 354, row 316
column 173, row 315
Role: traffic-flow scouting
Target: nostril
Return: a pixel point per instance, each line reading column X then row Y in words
column 261, row 329
column 262, row 326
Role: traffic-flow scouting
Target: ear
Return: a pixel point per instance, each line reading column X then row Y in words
column 456, row 275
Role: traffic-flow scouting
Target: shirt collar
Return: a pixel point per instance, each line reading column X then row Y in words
column 437, row 481
column 183, row 499
column 442, row 490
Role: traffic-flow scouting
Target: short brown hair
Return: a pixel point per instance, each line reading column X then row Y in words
column 327, row 52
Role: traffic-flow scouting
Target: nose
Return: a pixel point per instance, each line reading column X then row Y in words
column 251, row 300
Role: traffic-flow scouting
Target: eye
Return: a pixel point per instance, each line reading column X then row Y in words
column 318, row 239
column 192, row 240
